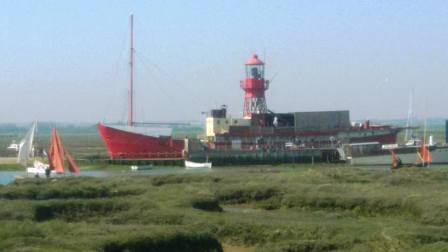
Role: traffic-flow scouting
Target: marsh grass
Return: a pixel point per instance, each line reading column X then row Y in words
column 70, row 187
column 206, row 203
column 180, row 179
column 282, row 208
column 77, row 210
column 172, row 241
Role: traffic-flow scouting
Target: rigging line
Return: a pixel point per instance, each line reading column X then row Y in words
column 147, row 63
column 124, row 108
column 163, row 90
column 118, row 65
column 171, row 79
column 156, row 82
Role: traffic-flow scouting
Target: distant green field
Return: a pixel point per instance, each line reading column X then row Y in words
column 262, row 208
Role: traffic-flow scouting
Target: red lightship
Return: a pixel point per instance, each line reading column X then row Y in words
column 135, row 142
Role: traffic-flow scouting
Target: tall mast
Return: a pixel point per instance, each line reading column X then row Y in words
column 408, row 132
column 131, row 71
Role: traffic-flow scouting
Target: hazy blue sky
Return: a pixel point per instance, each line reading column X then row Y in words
column 67, row 60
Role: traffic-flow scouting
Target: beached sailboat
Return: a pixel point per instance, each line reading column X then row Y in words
column 377, row 154
column 57, row 154
column 396, row 161
column 26, row 153
column 424, row 156
column 414, row 152
column 25, row 147
column 189, row 165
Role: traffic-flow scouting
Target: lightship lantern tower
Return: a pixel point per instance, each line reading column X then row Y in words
column 131, row 71
column 254, row 86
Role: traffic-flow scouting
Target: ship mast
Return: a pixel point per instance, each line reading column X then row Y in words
column 408, row 132
column 131, row 71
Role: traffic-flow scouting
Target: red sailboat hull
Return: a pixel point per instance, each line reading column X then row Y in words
column 123, row 144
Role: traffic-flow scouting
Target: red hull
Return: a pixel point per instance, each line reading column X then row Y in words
column 129, row 145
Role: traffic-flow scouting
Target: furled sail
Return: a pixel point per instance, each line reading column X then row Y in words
column 424, row 154
column 56, row 152
column 72, row 166
column 396, row 161
column 26, row 146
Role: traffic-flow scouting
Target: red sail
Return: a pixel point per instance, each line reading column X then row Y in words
column 425, row 155
column 56, row 152
column 396, row 162
column 72, row 166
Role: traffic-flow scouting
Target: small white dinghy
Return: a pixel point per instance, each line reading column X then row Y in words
column 38, row 169
column 141, row 167
column 193, row 165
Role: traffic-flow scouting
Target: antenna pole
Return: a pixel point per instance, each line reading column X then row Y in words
column 131, row 72
column 408, row 132
column 35, row 140
column 424, row 130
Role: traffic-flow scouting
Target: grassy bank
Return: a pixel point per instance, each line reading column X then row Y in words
column 284, row 208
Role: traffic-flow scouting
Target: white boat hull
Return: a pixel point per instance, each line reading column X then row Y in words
column 38, row 169
column 141, row 167
column 193, row 165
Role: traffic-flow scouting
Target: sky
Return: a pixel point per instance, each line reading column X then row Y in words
column 67, row 61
